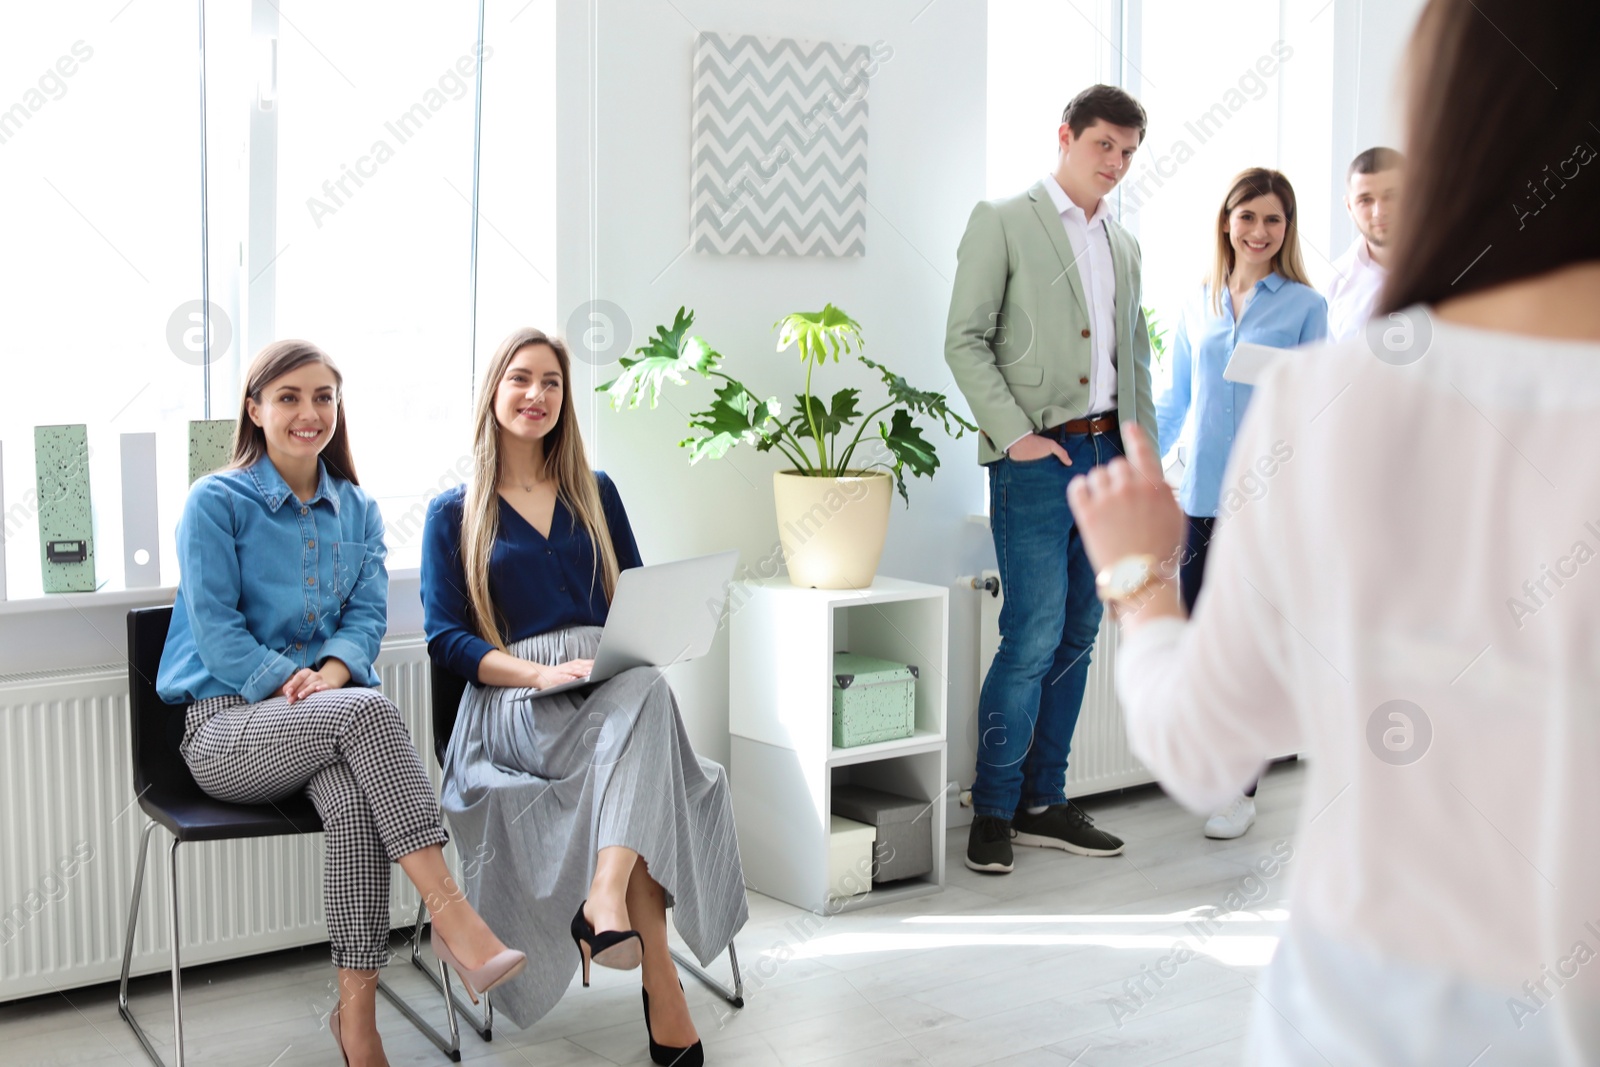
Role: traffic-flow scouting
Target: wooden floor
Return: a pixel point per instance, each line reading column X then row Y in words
column 1026, row 970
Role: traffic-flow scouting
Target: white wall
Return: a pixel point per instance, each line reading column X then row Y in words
column 623, row 132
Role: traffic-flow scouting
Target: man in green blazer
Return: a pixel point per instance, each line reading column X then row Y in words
column 1047, row 341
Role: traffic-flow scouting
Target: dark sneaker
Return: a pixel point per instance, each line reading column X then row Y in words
column 1066, row 827
column 989, row 845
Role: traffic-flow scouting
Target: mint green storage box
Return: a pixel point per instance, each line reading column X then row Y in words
column 66, row 521
column 873, row 700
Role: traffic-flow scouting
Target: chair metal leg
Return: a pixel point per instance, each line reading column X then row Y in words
column 482, row 1025
column 450, row 1046
column 123, row 1007
column 454, row 1004
column 734, row 996
column 177, row 965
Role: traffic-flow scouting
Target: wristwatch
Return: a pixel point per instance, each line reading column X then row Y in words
column 1127, row 578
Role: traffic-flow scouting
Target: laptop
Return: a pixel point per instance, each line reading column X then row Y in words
column 660, row 615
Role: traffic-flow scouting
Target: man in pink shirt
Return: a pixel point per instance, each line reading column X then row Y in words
column 1372, row 193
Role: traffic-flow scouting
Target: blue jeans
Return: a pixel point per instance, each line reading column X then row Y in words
column 1048, row 624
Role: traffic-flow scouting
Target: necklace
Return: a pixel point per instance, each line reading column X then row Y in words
column 529, row 487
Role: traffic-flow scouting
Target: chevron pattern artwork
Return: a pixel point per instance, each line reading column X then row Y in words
column 780, row 146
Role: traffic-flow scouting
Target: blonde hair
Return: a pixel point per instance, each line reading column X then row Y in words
column 1249, row 184
column 564, row 455
column 271, row 363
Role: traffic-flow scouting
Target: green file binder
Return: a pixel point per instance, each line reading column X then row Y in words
column 66, row 522
column 210, row 446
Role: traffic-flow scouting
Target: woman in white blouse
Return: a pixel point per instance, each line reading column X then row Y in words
column 1412, row 594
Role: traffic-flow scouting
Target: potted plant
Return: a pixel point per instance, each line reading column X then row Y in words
column 833, row 501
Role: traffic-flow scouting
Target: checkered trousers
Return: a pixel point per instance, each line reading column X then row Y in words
column 350, row 752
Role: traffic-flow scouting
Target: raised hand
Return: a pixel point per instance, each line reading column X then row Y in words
column 1125, row 507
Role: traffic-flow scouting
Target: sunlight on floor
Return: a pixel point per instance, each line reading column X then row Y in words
column 1236, row 950
column 1267, row 915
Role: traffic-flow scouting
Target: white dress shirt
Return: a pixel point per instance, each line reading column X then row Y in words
column 1427, row 533
column 1091, row 250
column 1353, row 293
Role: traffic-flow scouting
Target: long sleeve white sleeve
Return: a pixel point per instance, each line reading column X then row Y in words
column 1207, row 701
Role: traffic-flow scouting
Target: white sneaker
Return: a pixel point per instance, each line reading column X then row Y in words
column 1233, row 820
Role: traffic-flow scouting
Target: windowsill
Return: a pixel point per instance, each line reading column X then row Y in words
column 109, row 596
column 105, row 597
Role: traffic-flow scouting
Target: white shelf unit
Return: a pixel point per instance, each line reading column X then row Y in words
column 783, row 765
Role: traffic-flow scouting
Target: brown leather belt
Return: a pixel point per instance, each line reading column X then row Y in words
column 1105, row 422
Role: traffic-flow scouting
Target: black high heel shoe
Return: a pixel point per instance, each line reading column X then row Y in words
column 618, row 949
column 666, row 1055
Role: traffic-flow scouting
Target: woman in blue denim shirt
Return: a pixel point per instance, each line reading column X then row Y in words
column 1257, row 292
column 281, row 607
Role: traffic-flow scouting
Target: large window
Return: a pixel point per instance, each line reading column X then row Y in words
column 339, row 160
column 1210, row 86
column 374, row 235
column 1040, row 56
column 1225, row 87
column 100, row 175
column 357, row 231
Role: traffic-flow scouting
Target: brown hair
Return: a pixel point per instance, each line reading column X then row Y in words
column 1247, row 185
column 271, row 363
column 564, row 454
column 1104, row 103
column 1374, row 160
column 1490, row 144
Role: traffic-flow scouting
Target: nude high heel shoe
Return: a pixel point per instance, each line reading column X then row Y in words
column 501, row 967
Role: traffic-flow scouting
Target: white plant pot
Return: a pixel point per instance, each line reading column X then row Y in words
column 832, row 529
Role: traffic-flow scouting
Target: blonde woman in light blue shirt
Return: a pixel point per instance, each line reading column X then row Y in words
column 1257, row 292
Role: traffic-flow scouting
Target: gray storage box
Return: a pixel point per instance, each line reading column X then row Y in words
column 904, row 848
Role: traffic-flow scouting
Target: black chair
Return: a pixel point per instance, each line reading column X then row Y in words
column 170, row 797
column 446, row 689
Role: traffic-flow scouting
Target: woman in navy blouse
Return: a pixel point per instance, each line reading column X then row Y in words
column 589, row 809
column 1257, row 292
column 281, row 606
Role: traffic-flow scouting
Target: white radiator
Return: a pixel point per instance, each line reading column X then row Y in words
column 1100, row 760
column 69, row 834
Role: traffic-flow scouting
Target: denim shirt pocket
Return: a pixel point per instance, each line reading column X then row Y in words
column 349, row 557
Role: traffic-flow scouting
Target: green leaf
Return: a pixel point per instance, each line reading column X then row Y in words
column 843, row 413
column 666, row 356
column 932, row 405
column 819, row 334
column 734, row 417
column 910, row 449
column 1158, row 335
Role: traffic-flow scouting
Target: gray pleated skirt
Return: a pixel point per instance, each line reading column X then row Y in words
column 535, row 788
